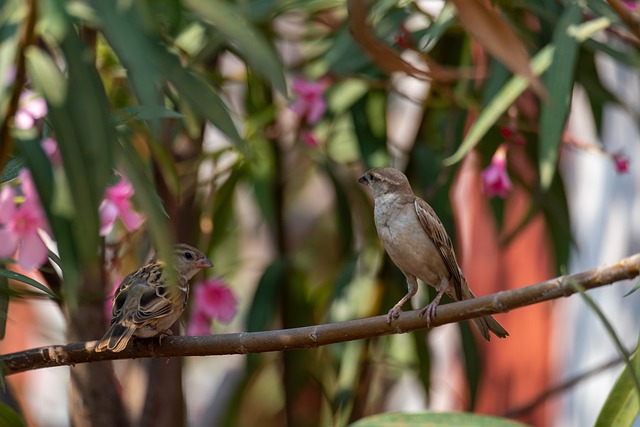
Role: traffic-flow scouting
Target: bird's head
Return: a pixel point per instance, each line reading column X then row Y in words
column 187, row 260
column 385, row 180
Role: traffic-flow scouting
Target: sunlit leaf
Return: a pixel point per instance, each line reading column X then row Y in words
column 499, row 104
column 50, row 80
column 559, row 83
column 434, row 419
column 622, row 405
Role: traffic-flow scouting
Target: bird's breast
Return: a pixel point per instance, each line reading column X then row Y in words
column 407, row 243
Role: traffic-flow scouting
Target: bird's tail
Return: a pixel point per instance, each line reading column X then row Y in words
column 487, row 323
column 116, row 338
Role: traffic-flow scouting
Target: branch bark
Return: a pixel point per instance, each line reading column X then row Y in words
column 320, row 335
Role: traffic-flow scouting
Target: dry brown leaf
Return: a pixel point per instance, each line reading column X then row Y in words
column 385, row 57
column 498, row 38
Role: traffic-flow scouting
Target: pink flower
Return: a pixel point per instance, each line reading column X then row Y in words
column 213, row 300
column 50, row 147
column 116, row 204
column 30, row 108
column 20, row 225
column 310, row 139
column 622, row 163
column 495, row 180
column 631, row 5
column 310, row 104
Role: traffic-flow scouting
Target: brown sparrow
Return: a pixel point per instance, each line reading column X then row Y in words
column 146, row 304
column 418, row 244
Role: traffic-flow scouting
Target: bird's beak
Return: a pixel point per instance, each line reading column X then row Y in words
column 363, row 180
column 204, row 263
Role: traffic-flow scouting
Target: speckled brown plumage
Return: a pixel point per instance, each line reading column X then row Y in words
column 146, row 304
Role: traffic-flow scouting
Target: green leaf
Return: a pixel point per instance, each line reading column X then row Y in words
column 9, row 417
column 254, row 47
column 148, row 112
column 86, row 138
column 8, row 274
column 429, row 419
column 137, row 49
column 622, row 405
column 472, row 362
column 632, row 290
column 371, row 141
column 11, row 169
column 63, row 228
column 587, row 75
column 499, row 104
column 265, row 300
column 630, row 365
column 202, row 98
column 559, row 83
column 147, row 199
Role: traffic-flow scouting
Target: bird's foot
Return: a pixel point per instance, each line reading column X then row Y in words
column 165, row 333
column 429, row 312
column 394, row 313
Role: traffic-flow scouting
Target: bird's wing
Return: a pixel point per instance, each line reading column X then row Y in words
column 141, row 296
column 436, row 231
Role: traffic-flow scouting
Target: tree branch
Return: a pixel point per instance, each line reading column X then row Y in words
column 319, row 335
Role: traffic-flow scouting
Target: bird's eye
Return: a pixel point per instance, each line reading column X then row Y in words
column 188, row 255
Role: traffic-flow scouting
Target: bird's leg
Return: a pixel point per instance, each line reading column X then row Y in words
column 429, row 312
column 412, row 285
column 165, row 333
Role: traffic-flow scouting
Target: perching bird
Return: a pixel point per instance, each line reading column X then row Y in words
column 418, row 244
column 146, row 304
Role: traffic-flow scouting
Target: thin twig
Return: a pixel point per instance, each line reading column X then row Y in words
column 320, row 335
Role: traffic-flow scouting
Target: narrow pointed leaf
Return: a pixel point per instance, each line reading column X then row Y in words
column 254, row 47
column 8, row 274
column 499, row 104
column 559, row 82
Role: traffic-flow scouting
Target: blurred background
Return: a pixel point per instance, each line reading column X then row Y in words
column 241, row 128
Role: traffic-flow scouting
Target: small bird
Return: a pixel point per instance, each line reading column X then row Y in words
column 419, row 245
column 146, row 304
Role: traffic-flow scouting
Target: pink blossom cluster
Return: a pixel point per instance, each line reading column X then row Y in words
column 22, row 222
column 213, row 300
column 310, row 105
column 31, row 107
column 117, row 204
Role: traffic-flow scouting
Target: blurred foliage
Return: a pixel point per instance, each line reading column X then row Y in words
column 189, row 100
